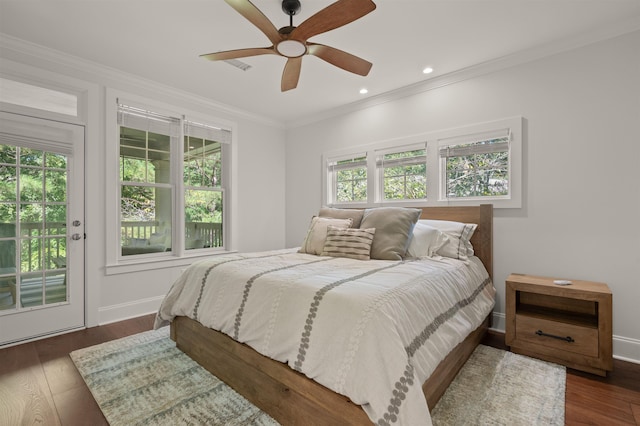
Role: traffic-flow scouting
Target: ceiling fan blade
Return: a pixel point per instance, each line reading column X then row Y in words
column 257, row 18
column 239, row 53
column 340, row 59
column 331, row 17
column 291, row 74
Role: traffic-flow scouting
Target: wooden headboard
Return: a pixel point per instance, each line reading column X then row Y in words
column 482, row 215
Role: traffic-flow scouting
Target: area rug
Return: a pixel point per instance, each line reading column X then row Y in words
column 495, row 387
column 145, row 379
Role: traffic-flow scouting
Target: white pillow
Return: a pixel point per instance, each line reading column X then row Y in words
column 459, row 234
column 317, row 233
column 426, row 241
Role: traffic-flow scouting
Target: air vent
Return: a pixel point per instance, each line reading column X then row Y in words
column 238, row 64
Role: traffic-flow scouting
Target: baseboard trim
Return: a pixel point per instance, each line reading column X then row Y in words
column 499, row 322
column 626, row 349
column 133, row 309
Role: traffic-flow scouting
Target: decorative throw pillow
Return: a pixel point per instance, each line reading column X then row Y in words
column 354, row 214
column 317, row 233
column 426, row 241
column 352, row 243
column 393, row 228
column 459, row 234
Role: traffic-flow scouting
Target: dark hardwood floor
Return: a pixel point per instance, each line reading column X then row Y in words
column 40, row 385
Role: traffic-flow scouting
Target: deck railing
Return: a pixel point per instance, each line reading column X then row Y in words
column 33, row 257
column 198, row 234
column 206, row 234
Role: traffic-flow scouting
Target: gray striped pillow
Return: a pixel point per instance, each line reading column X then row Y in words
column 348, row 242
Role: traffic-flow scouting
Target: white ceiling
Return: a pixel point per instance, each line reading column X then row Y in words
column 161, row 40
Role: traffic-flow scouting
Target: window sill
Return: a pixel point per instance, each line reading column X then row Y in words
column 147, row 264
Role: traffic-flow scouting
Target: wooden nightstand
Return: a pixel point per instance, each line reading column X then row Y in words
column 565, row 324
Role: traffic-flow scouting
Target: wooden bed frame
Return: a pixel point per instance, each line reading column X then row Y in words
column 291, row 397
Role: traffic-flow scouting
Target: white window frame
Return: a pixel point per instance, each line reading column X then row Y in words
column 375, row 186
column 436, row 173
column 379, row 166
column 511, row 127
column 116, row 263
column 331, row 175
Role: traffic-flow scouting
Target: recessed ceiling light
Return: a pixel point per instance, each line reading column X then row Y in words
column 427, row 70
column 363, row 91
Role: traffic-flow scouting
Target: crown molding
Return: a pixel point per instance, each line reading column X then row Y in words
column 539, row 52
column 104, row 73
column 39, row 53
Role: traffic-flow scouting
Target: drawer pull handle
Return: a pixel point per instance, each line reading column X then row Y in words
column 566, row 339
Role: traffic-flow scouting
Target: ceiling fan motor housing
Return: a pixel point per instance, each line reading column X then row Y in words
column 291, row 7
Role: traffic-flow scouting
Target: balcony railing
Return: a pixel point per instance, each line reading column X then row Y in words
column 53, row 257
column 34, row 237
column 197, row 234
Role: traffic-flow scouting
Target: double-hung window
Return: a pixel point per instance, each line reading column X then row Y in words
column 173, row 184
column 205, row 149
column 148, row 143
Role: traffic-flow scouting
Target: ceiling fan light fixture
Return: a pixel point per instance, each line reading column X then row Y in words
column 291, row 41
column 291, row 48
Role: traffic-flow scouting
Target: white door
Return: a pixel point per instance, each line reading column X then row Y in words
column 41, row 227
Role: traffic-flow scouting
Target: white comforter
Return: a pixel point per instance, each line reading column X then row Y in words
column 371, row 330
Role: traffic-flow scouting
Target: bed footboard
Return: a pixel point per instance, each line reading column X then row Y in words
column 286, row 395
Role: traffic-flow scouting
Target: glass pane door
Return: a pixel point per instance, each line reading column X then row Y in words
column 41, row 227
column 33, row 231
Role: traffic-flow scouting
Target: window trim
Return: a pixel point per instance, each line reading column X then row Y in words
column 115, row 263
column 435, row 173
column 379, row 170
column 330, row 167
column 511, row 127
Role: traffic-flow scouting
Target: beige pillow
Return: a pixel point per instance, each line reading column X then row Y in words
column 354, row 214
column 393, row 228
column 317, row 233
column 352, row 243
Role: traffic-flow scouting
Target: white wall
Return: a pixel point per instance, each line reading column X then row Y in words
column 259, row 213
column 581, row 201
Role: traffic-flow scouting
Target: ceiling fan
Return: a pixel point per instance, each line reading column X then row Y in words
column 291, row 42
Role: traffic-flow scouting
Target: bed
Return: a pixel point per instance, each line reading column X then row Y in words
column 279, row 383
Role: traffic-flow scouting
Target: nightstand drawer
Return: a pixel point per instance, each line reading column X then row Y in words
column 584, row 339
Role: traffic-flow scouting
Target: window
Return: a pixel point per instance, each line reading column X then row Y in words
column 172, row 183
column 147, row 144
column 399, row 174
column 349, row 179
column 476, row 166
column 403, row 173
column 479, row 163
column 203, row 182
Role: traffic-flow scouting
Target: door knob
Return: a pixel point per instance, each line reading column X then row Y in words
column 76, row 237
column 76, row 223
